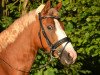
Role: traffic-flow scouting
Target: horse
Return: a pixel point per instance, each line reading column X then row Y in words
column 40, row 28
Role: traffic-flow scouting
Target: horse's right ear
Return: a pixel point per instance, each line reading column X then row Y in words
column 46, row 8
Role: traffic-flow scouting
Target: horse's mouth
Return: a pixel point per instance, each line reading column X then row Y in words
column 66, row 61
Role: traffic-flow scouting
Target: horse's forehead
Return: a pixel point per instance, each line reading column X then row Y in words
column 49, row 20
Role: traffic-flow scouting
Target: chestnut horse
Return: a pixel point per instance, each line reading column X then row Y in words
column 39, row 28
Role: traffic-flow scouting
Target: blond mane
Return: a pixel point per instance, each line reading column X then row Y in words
column 11, row 33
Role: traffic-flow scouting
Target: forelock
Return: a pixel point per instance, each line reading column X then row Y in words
column 53, row 12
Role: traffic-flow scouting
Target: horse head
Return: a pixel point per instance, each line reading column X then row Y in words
column 51, row 35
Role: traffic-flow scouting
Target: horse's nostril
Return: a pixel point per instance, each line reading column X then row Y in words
column 70, row 57
column 68, row 54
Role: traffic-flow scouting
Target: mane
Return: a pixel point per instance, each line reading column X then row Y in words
column 11, row 33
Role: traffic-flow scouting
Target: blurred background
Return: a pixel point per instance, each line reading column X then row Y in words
column 82, row 24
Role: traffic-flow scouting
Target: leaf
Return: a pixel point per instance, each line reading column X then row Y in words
column 88, row 19
column 69, row 26
column 50, row 71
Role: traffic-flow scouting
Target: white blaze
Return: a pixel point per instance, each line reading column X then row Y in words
column 61, row 34
column 59, row 31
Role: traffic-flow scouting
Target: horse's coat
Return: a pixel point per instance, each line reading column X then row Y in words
column 20, row 42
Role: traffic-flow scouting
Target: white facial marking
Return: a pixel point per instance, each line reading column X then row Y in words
column 59, row 31
column 69, row 48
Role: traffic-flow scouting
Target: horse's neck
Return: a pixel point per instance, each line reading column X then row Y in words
column 20, row 51
column 20, row 54
column 10, row 34
column 18, row 44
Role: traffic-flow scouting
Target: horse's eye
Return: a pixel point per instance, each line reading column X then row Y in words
column 50, row 27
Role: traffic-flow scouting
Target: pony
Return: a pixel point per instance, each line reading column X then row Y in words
column 40, row 28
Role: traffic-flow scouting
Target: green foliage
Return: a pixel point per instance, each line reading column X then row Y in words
column 85, row 18
column 82, row 24
column 5, row 22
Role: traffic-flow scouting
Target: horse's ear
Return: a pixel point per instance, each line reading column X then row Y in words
column 58, row 7
column 46, row 8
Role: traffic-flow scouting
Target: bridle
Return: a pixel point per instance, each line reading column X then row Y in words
column 55, row 45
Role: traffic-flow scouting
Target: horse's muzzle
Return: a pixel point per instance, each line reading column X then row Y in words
column 68, row 57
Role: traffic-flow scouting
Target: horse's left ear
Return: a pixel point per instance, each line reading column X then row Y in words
column 46, row 8
column 58, row 7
